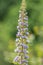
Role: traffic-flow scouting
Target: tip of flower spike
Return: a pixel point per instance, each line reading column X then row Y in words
column 23, row 5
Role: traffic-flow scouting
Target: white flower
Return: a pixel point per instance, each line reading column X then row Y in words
column 26, row 29
column 17, row 44
column 19, row 15
column 17, row 39
column 19, row 20
column 22, row 29
column 28, row 40
column 19, row 30
column 21, row 23
column 18, row 27
column 18, row 34
column 18, row 50
column 27, row 33
column 25, row 51
column 26, row 18
column 26, row 24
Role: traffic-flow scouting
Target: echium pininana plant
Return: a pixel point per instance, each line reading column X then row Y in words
column 22, row 37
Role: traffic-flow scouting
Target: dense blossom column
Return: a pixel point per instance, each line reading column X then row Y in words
column 22, row 37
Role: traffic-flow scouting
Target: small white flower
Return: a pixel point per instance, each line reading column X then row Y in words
column 26, row 29
column 26, row 37
column 28, row 40
column 19, row 23
column 17, row 44
column 19, row 20
column 19, row 30
column 18, row 27
column 18, row 50
column 27, row 33
column 25, row 51
column 22, row 29
column 26, row 18
column 18, row 34
column 17, row 39
column 26, row 24
column 19, row 15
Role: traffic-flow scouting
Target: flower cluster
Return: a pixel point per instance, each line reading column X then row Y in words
column 22, row 38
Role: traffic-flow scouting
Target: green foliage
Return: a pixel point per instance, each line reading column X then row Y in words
column 4, row 5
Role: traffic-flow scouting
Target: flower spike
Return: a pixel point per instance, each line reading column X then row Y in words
column 22, row 37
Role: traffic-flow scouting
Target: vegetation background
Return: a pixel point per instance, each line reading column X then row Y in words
column 9, row 11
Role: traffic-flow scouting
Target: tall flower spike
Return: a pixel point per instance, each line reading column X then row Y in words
column 22, row 37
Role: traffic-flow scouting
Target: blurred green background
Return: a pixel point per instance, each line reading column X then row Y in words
column 9, row 12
